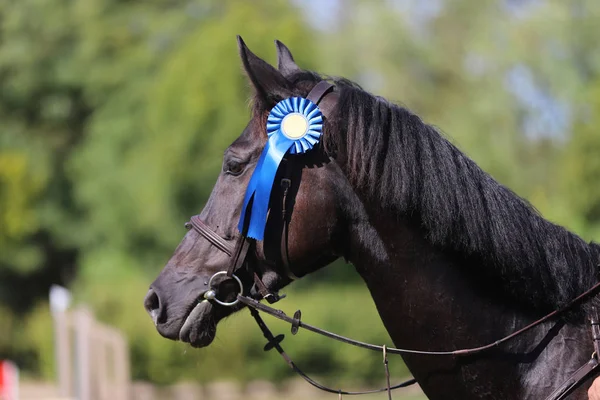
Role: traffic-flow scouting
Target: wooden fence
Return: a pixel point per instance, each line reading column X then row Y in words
column 92, row 358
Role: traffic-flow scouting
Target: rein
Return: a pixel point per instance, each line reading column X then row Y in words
column 324, row 93
column 296, row 322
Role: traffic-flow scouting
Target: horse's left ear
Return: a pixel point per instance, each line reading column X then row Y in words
column 285, row 61
column 270, row 85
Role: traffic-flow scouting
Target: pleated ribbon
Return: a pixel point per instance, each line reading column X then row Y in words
column 295, row 125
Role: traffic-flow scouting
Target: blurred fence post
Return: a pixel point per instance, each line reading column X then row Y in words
column 122, row 377
column 63, row 354
column 82, row 323
column 92, row 359
column 60, row 298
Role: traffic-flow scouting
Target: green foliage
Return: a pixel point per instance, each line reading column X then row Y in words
column 20, row 184
column 162, row 131
column 582, row 164
column 115, row 116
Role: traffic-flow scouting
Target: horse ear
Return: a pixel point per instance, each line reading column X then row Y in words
column 285, row 61
column 270, row 85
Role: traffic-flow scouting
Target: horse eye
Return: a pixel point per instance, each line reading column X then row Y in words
column 235, row 168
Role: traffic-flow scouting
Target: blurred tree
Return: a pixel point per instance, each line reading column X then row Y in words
column 447, row 61
column 103, row 153
column 115, row 116
column 508, row 82
column 581, row 174
column 557, row 41
column 43, row 112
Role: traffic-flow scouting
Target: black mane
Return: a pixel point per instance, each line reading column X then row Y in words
column 461, row 208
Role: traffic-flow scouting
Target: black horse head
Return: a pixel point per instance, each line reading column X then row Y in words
column 452, row 258
column 312, row 232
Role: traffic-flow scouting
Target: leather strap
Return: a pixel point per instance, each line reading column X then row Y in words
column 274, row 342
column 595, row 325
column 587, row 370
column 324, row 96
column 286, row 182
column 319, row 90
column 279, row 314
column 386, row 367
column 260, row 286
column 211, row 235
column 580, row 376
column 239, row 255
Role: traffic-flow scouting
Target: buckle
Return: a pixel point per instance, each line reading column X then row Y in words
column 273, row 298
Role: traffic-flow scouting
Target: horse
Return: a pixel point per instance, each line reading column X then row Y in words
column 451, row 257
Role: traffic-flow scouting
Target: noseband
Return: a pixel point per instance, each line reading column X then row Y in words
column 238, row 253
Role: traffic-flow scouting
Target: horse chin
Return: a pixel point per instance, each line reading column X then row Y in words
column 200, row 327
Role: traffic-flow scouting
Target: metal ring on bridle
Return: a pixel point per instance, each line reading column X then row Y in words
column 211, row 294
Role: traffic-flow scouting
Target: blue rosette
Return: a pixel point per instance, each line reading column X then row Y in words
column 295, row 125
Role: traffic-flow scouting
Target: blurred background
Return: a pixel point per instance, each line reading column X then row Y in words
column 115, row 114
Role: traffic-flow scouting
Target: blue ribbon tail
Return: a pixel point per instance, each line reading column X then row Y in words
column 250, row 190
column 259, row 188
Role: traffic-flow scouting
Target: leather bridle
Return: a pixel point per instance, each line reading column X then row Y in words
column 324, row 95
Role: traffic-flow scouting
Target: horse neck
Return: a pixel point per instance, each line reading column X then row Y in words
column 428, row 300
column 426, row 297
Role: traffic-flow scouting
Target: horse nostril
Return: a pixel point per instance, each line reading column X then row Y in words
column 152, row 305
